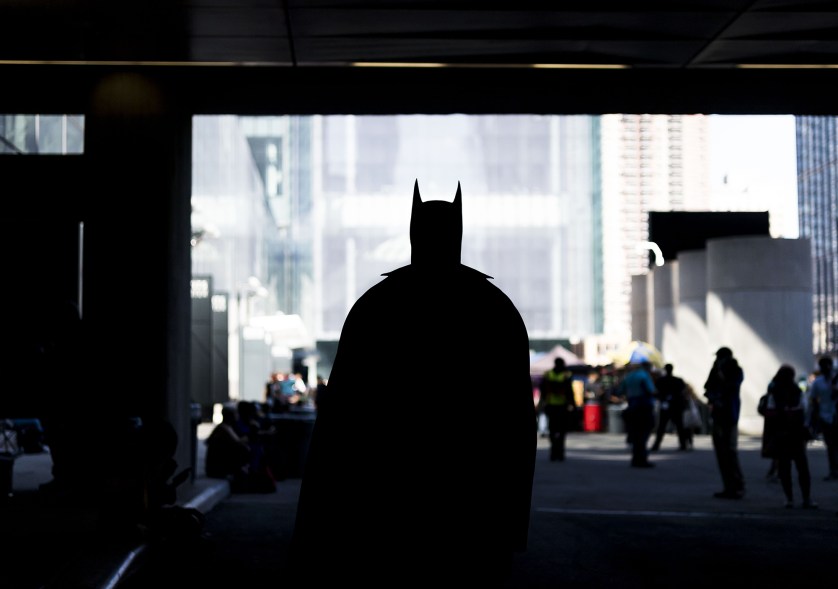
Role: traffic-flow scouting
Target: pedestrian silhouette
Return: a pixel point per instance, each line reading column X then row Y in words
column 785, row 410
column 429, row 478
column 722, row 391
column 823, row 396
column 639, row 390
column 558, row 404
column 672, row 396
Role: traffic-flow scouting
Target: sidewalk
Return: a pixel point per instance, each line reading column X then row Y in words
column 46, row 546
column 593, row 518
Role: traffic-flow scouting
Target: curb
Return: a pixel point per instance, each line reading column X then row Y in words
column 110, row 566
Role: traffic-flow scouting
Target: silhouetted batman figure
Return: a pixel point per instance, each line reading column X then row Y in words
column 421, row 464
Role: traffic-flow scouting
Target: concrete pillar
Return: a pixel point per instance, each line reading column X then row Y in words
column 665, row 287
column 690, row 360
column 759, row 304
column 639, row 308
column 137, row 249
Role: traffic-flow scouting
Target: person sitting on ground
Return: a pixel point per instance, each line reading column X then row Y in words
column 228, row 455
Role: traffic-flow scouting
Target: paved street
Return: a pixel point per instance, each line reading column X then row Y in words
column 596, row 523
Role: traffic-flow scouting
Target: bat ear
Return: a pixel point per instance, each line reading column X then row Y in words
column 415, row 208
column 458, row 208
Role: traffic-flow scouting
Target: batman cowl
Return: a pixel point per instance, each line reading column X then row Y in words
column 422, row 460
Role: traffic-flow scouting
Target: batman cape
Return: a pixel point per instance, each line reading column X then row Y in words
column 421, row 461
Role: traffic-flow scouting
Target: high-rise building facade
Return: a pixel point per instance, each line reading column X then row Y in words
column 817, row 192
column 302, row 215
column 41, row 134
column 649, row 163
column 530, row 206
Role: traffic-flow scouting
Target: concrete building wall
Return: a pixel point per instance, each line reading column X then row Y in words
column 751, row 294
column 759, row 304
column 639, row 307
column 692, row 356
column 665, row 299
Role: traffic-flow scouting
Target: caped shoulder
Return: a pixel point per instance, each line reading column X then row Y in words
column 461, row 269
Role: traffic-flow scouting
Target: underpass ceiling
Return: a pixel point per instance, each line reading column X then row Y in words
column 675, row 37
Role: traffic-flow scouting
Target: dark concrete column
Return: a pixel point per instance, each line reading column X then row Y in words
column 137, row 256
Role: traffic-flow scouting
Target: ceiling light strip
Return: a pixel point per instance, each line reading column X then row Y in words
column 409, row 64
column 125, row 63
column 786, row 66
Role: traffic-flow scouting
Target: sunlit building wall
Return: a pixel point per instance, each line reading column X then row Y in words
column 817, row 181
column 649, row 163
column 750, row 294
column 758, row 304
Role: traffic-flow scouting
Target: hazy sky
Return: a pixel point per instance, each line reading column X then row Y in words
column 756, row 154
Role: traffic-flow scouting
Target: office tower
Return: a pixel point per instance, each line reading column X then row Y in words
column 530, row 206
column 649, row 163
column 817, row 182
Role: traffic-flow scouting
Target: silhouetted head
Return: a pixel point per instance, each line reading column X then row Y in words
column 785, row 374
column 724, row 353
column 559, row 364
column 668, row 368
column 825, row 364
column 247, row 410
column 436, row 230
column 229, row 415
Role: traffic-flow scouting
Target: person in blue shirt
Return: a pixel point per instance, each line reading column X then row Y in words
column 823, row 396
column 722, row 392
column 639, row 391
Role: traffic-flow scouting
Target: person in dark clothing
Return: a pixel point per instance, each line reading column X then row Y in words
column 673, row 401
column 432, row 497
column 228, row 455
column 785, row 411
column 823, row 397
column 236, row 451
column 559, row 405
column 321, row 392
column 722, row 392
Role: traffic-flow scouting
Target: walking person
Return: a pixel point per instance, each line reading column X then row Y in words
column 673, row 401
column 823, row 396
column 559, row 405
column 639, row 390
column 722, row 392
column 785, row 410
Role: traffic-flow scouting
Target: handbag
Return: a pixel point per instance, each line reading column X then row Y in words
column 692, row 417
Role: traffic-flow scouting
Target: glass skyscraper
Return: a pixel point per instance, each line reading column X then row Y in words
column 817, row 181
column 530, row 208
